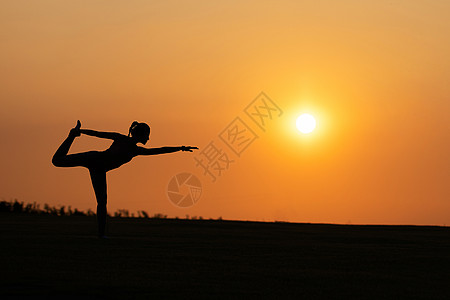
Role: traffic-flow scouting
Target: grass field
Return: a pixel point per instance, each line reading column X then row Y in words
column 48, row 257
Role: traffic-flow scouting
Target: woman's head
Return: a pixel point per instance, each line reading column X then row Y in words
column 139, row 131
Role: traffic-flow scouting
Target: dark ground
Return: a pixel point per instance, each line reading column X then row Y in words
column 48, row 257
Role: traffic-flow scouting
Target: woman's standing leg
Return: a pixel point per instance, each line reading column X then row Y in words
column 98, row 178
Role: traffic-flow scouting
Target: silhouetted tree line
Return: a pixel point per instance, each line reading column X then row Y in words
column 22, row 208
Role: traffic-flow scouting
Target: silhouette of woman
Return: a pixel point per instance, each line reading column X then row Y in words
column 122, row 150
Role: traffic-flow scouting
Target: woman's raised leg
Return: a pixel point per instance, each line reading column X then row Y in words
column 60, row 158
column 98, row 178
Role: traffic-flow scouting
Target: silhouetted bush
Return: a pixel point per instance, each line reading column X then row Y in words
column 122, row 213
column 159, row 216
column 5, row 206
column 17, row 206
column 77, row 212
column 144, row 214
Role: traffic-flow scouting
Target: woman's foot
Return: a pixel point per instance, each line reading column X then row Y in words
column 76, row 130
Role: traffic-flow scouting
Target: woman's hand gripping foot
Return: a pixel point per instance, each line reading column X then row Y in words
column 76, row 130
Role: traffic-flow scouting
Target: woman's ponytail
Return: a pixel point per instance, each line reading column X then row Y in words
column 133, row 125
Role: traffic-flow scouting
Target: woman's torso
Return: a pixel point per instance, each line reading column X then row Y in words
column 121, row 151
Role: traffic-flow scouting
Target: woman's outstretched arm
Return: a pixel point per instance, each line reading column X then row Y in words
column 101, row 134
column 155, row 151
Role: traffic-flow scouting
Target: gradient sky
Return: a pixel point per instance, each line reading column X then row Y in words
column 375, row 74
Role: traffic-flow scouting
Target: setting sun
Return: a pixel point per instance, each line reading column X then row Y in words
column 306, row 123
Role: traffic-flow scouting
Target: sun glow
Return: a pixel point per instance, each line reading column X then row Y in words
column 306, row 123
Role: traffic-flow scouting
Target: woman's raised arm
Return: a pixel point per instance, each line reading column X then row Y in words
column 155, row 151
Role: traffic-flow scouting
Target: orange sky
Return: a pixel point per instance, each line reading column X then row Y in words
column 374, row 74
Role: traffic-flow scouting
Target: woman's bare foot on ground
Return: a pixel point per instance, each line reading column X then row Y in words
column 76, row 130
